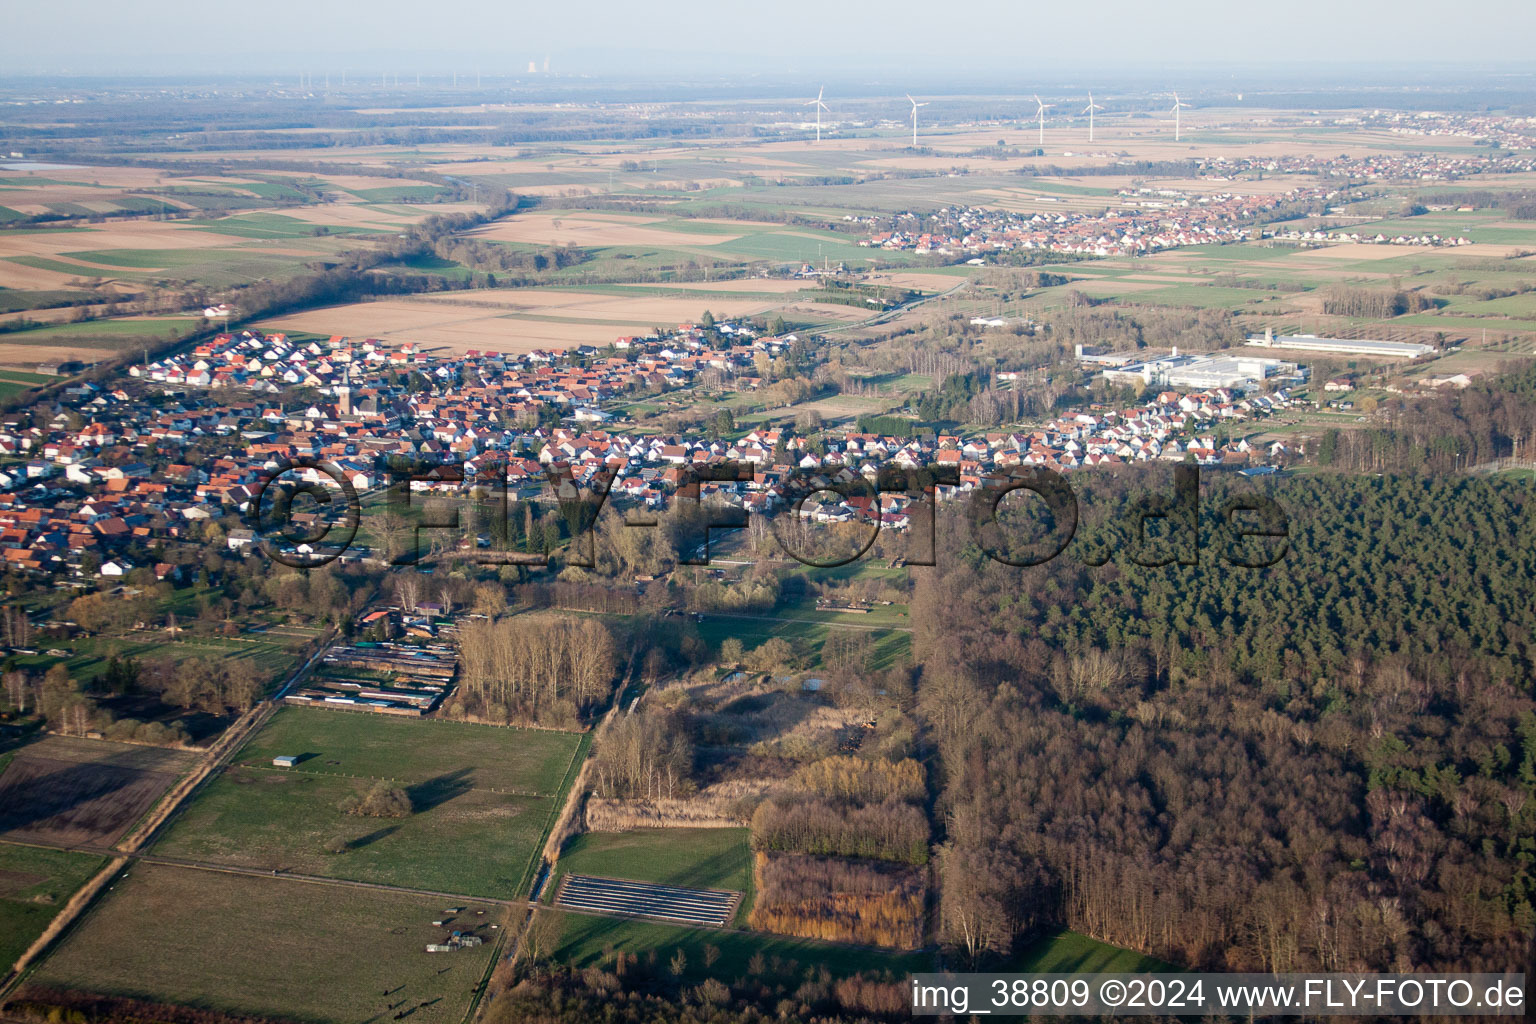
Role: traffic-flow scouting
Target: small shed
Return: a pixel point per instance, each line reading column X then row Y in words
column 285, row 760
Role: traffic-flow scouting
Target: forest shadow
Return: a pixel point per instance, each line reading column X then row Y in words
column 437, row 791
column 25, row 802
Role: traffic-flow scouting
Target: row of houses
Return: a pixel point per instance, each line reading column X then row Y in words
column 130, row 467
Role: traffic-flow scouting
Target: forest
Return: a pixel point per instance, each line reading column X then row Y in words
column 543, row 668
column 1373, row 303
column 1490, row 420
column 1327, row 764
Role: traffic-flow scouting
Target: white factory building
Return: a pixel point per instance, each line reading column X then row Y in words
column 1343, row 346
column 1204, row 372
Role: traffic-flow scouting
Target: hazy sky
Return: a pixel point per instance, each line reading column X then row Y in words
column 975, row 39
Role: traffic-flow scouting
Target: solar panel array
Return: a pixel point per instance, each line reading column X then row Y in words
column 592, row 895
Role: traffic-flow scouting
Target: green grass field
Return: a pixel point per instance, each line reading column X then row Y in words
column 891, row 646
column 585, row 941
column 704, row 858
column 28, row 378
column 263, row 225
column 1070, row 953
column 103, row 329
column 400, row 193
column 270, row 946
column 271, row 652
column 484, row 799
column 58, row 266
column 35, row 883
column 459, row 840
column 140, row 259
column 14, row 300
column 529, row 761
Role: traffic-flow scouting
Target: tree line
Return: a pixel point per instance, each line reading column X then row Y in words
column 544, row 667
column 1374, row 303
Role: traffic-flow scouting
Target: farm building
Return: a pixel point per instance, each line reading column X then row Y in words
column 285, row 761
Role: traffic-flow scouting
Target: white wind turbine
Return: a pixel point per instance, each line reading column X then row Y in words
column 820, row 106
column 1177, row 106
column 915, row 105
column 1089, row 109
column 1041, row 115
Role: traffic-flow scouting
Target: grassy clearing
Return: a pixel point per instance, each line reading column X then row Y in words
column 28, row 378
column 891, row 646
column 703, row 858
column 269, row 946
column 379, row 746
column 585, row 941
column 102, row 329
column 484, row 800
column 35, row 883
column 432, row 265
column 459, row 839
column 14, row 300
column 1070, row 953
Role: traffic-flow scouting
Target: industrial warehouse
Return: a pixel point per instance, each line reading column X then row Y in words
column 1197, row 372
column 1341, row 346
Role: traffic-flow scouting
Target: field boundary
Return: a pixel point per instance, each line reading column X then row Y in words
column 558, row 812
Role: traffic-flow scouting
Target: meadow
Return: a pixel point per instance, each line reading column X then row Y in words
column 484, row 798
column 271, row 651
column 35, row 883
column 811, row 628
column 353, row 744
column 301, row 951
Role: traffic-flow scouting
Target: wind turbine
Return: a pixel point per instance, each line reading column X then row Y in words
column 1041, row 115
column 820, row 106
column 915, row 105
column 1177, row 106
column 1089, row 109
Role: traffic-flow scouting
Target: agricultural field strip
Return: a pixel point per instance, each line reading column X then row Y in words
column 616, row 897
